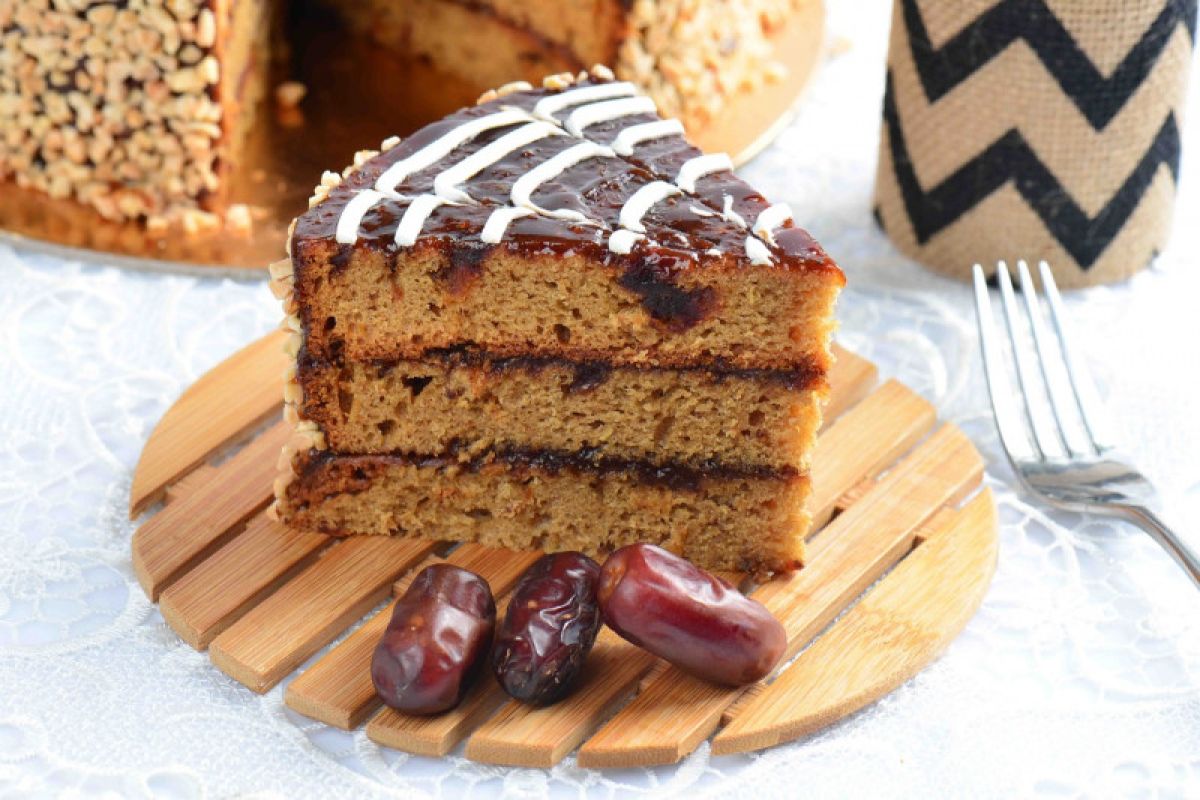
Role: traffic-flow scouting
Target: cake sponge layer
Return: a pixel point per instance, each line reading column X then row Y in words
column 473, row 403
column 729, row 521
column 363, row 303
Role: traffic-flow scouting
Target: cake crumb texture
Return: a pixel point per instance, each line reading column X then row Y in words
column 726, row 523
column 692, row 417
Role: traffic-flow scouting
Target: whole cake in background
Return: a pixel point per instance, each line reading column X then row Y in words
column 549, row 321
column 141, row 110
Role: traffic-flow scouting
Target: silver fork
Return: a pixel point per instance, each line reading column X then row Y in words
column 1053, row 428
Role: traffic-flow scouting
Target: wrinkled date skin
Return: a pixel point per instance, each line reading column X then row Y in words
column 436, row 642
column 689, row 617
column 550, row 627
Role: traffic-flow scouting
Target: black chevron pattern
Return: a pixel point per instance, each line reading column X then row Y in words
column 1098, row 98
column 1010, row 158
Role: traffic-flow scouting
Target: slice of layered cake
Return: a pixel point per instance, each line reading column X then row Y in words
column 548, row 321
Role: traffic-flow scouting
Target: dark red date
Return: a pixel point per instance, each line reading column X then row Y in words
column 693, row 619
column 550, row 627
column 436, row 642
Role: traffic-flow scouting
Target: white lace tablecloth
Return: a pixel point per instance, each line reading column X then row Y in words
column 1080, row 676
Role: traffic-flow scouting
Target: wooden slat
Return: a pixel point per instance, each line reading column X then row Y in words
column 437, row 735
column 231, row 581
column 864, row 441
column 525, row 736
column 338, row 691
column 189, row 482
column 197, row 523
column 499, row 566
column 867, row 538
column 850, row 379
column 676, row 711
column 233, row 397
column 307, row 613
column 898, row 627
column 745, row 698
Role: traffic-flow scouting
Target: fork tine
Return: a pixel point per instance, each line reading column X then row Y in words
column 1062, row 401
column 1013, row 433
column 1045, row 434
column 1086, row 398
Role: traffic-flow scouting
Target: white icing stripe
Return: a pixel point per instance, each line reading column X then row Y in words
column 771, row 218
column 757, row 252
column 498, row 221
column 634, row 135
column 446, row 184
column 414, row 218
column 729, row 215
column 352, row 215
column 592, row 113
column 547, row 107
column 641, row 201
column 439, row 148
column 622, row 240
column 527, row 184
column 700, row 166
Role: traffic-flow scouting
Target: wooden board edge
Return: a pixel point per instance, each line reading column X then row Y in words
column 333, row 716
column 605, row 682
column 155, row 587
column 389, row 728
column 964, row 593
column 261, row 682
column 201, row 639
column 146, row 489
column 650, row 756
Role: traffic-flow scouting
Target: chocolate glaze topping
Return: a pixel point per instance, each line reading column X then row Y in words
column 682, row 232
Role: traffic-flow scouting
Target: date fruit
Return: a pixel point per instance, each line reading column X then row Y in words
column 436, row 642
column 550, row 627
column 687, row 616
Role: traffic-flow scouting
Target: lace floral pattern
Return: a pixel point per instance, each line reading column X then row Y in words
column 1079, row 676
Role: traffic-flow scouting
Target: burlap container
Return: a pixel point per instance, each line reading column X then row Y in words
column 1034, row 129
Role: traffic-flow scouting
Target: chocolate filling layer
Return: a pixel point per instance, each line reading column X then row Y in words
column 354, row 473
column 589, row 372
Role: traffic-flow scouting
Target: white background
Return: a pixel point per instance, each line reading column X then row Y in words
column 1080, row 676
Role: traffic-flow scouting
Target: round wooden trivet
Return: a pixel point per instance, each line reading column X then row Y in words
column 349, row 107
column 899, row 515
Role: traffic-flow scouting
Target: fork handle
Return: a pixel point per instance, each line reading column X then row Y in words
column 1150, row 522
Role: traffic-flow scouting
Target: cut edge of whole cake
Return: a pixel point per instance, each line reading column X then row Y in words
column 689, row 298
column 140, row 111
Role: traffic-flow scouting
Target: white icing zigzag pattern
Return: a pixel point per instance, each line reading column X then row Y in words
column 592, row 105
